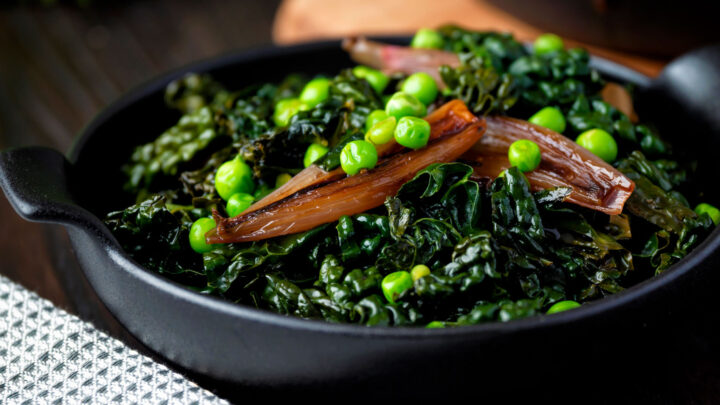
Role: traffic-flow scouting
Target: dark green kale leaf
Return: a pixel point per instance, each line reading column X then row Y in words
column 242, row 264
column 440, row 191
column 285, row 297
column 481, row 88
column 426, row 213
column 503, row 311
column 156, row 237
column 665, row 174
column 178, row 145
column 585, row 114
column 676, row 228
column 554, row 79
column 495, row 50
column 375, row 311
column 498, row 75
column 482, row 80
column 194, row 91
column 651, row 199
column 516, row 219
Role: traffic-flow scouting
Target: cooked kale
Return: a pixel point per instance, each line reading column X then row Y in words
column 497, row 251
column 498, row 74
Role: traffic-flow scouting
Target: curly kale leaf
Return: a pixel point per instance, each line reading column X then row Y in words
column 178, row 145
column 557, row 78
column 516, row 219
column 498, row 75
column 194, row 91
column 481, row 80
column 495, row 50
column 675, row 227
column 156, row 237
column 503, row 311
column 652, row 199
column 440, row 191
column 657, row 172
column 238, row 264
column 482, row 88
column 339, row 296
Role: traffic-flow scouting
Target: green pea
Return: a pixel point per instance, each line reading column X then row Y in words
column 427, row 38
column 550, row 118
column 435, row 325
column 382, row 132
column 525, row 154
column 285, row 110
column 237, row 203
column 600, row 143
column 404, row 105
column 547, row 43
column 412, row 132
column 419, row 271
column 422, row 86
column 233, row 176
column 714, row 213
column 562, row 306
column 377, row 79
column 396, row 284
column 281, row 179
column 314, row 152
column 315, row 91
column 374, row 117
column 197, row 234
column 358, row 155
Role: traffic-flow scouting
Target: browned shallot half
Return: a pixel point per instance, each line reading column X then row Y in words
column 595, row 184
column 314, row 206
column 399, row 59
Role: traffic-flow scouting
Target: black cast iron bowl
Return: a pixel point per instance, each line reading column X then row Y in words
column 238, row 344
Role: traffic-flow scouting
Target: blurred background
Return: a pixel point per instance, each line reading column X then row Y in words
column 62, row 61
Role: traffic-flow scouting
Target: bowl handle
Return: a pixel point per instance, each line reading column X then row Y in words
column 34, row 180
column 690, row 85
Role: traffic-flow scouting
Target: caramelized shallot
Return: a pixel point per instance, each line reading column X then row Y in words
column 594, row 183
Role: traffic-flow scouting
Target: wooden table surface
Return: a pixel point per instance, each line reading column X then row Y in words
column 60, row 65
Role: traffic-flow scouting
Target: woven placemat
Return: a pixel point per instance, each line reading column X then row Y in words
column 50, row 356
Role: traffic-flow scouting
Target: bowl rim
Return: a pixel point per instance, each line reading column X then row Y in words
column 589, row 310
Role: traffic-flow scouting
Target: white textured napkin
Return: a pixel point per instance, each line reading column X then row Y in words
column 50, row 356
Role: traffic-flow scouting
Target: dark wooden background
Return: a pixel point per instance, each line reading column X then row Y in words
column 60, row 65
